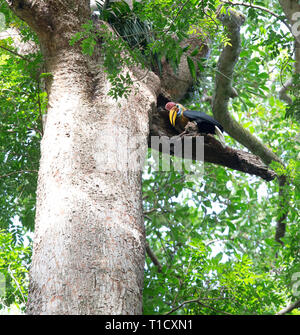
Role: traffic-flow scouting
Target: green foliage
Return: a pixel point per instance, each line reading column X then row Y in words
column 87, row 37
column 21, row 106
column 14, row 266
column 215, row 243
column 21, row 103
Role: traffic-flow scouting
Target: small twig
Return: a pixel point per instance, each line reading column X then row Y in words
column 143, row 77
column 148, row 218
column 15, row 92
column 14, row 53
column 209, row 16
column 16, row 172
column 164, row 248
column 181, row 305
column 174, row 19
column 285, row 86
column 198, row 301
column 264, row 9
column 182, row 281
column 150, row 211
column 18, row 286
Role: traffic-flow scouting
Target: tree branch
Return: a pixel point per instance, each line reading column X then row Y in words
column 14, row 53
column 17, row 172
column 289, row 308
column 153, row 257
column 198, row 301
column 283, row 211
column 223, row 88
column 174, row 19
column 264, row 9
column 283, row 92
column 290, row 8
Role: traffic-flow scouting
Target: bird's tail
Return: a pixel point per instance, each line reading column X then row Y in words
column 220, row 135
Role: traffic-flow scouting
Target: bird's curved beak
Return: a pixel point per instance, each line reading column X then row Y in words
column 172, row 115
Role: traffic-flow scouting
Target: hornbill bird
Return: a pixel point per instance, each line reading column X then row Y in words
column 179, row 117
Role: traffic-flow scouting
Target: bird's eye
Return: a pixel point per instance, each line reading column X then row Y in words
column 177, row 106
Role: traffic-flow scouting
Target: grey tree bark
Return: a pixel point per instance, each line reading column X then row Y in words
column 89, row 244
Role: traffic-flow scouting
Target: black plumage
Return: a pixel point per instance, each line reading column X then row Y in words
column 206, row 124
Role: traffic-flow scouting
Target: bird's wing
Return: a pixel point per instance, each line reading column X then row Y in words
column 202, row 117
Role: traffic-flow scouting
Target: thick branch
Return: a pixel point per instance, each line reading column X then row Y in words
column 213, row 151
column 291, row 9
column 233, row 21
column 223, row 90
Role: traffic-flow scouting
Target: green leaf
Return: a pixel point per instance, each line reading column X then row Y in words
column 192, row 67
column 195, row 51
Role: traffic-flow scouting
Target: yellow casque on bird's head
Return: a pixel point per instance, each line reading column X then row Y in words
column 175, row 110
column 173, row 115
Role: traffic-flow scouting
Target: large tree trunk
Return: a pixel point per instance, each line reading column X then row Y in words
column 89, row 237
